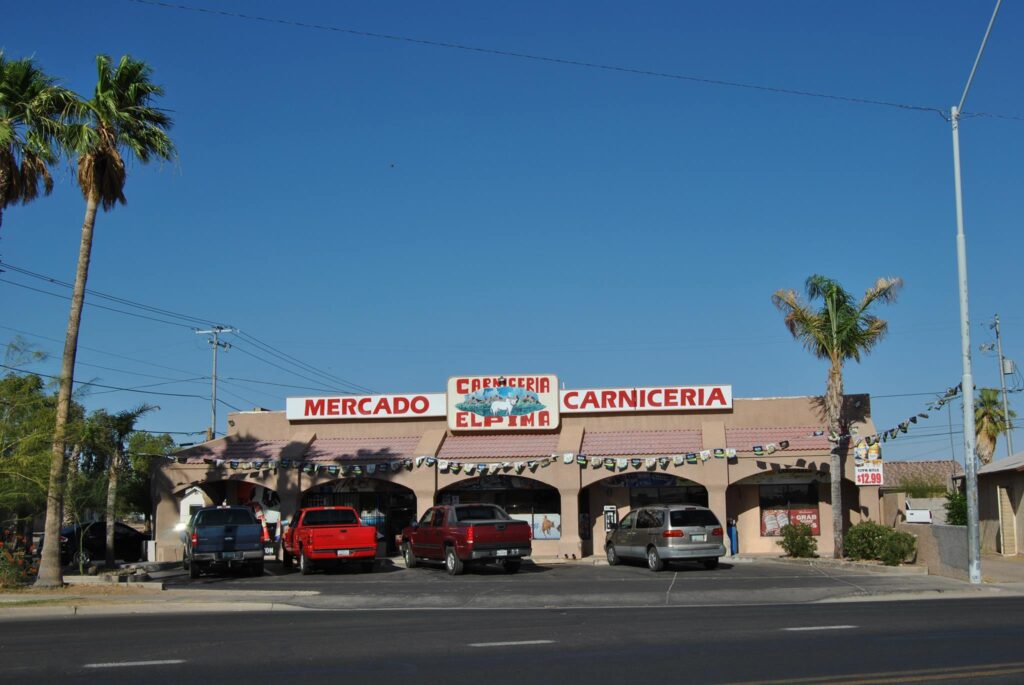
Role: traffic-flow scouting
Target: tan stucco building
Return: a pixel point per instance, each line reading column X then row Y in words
column 760, row 462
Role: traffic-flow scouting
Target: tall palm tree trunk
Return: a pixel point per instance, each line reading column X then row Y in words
column 833, row 408
column 49, row 564
column 112, row 474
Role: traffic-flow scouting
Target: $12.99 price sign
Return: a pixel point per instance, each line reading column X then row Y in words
column 869, row 474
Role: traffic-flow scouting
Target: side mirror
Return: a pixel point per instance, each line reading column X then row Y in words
column 414, row 525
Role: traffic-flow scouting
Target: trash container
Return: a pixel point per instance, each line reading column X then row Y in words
column 734, row 537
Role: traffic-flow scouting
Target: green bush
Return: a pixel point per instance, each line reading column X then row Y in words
column 866, row 540
column 956, row 508
column 797, row 541
column 897, row 548
column 920, row 488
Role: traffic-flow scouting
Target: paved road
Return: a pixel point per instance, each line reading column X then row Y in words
column 569, row 586
column 949, row 641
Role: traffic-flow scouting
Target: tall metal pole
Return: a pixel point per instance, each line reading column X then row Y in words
column 967, row 380
column 215, row 343
column 1002, row 384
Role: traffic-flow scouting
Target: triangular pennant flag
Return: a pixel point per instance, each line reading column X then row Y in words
column 430, row 461
column 705, row 455
column 923, row 415
column 596, row 462
column 770, row 448
column 520, row 466
column 233, row 464
column 621, row 463
column 730, row 452
column 456, row 467
column 678, row 460
column 609, row 464
column 442, row 464
column 759, row 450
column 663, row 462
column 691, row 457
column 333, row 470
column 784, row 444
column 650, row 462
column 567, row 458
column 581, row 459
column 635, row 462
column 719, row 453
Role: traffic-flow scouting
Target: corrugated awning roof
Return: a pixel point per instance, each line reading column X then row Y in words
column 233, row 449
column 362, row 449
column 624, row 443
column 1015, row 462
column 799, row 437
column 498, row 446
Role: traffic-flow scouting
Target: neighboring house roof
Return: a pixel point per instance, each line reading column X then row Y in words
column 625, row 443
column 1014, row 462
column 940, row 472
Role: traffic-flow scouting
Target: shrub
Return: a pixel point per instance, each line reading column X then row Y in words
column 866, row 540
column 797, row 541
column 956, row 508
column 897, row 548
column 921, row 488
column 16, row 566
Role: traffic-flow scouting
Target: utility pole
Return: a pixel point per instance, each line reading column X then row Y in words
column 967, row 380
column 216, row 344
column 1002, row 384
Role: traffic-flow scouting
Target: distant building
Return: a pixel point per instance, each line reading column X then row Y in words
column 1001, row 505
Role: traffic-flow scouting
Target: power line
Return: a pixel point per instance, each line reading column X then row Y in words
column 109, row 387
column 301, row 364
column 563, row 61
column 107, row 296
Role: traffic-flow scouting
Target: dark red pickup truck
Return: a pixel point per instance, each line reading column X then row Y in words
column 467, row 533
column 320, row 535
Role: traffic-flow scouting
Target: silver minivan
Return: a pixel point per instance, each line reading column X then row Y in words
column 668, row 532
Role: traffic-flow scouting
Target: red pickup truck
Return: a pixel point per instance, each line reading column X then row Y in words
column 460, row 534
column 321, row 535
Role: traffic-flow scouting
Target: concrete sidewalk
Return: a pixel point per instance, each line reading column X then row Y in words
column 997, row 569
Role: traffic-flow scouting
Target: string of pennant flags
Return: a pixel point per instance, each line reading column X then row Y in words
column 582, row 460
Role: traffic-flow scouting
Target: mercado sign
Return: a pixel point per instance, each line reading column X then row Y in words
column 516, row 402
column 502, row 403
column 365, row 407
column 668, row 398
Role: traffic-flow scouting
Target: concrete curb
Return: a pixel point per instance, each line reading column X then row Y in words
column 853, row 565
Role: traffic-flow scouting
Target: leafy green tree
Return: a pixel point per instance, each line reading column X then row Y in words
column 119, row 121
column 989, row 422
column 107, row 438
column 841, row 329
column 143, row 450
column 31, row 108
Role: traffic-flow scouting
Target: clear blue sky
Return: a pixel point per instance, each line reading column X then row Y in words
column 395, row 213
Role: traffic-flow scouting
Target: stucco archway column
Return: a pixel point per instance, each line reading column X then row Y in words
column 570, row 543
column 168, row 544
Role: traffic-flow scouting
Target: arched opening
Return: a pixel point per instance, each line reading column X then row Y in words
column 762, row 504
column 523, row 498
column 388, row 506
column 606, row 501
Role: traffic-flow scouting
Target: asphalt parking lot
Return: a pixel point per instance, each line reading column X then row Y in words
column 391, row 585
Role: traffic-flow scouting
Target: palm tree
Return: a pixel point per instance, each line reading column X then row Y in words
column 842, row 329
column 119, row 120
column 989, row 422
column 109, row 434
column 31, row 108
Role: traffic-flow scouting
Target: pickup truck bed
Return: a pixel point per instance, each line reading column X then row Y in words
column 319, row 536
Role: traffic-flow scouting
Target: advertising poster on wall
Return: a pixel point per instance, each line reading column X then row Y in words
column 774, row 520
column 544, row 526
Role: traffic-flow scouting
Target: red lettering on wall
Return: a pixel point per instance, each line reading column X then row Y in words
column 314, row 408
column 420, row 404
column 569, row 398
column 655, row 402
column 364, row 405
column 332, row 406
column 716, row 395
column 348, row 406
column 627, row 398
column 688, row 397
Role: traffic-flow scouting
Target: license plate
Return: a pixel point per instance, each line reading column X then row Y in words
column 502, row 552
column 344, row 552
column 232, row 555
column 701, row 537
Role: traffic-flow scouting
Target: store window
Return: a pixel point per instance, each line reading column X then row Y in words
column 524, row 499
column 785, row 504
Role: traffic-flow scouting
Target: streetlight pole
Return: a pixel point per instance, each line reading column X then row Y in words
column 216, row 344
column 967, row 380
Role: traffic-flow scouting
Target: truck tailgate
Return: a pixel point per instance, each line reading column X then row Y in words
column 500, row 533
column 229, row 538
column 339, row 537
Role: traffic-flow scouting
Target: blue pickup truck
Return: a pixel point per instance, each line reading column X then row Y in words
column 219, row 538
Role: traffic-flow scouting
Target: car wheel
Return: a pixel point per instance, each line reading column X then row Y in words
column 286, row 559
column 410, row 558
column 613, row 556
column 512, row 565
column 452, row 563
column 305, row 565
column 710, row 564
column 193, row 570
column 81, row 558
column 654, row 561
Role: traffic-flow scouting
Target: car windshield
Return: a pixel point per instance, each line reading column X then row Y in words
column 225, row 517
column 692, row 517
column 330, row 517
column 481, row 512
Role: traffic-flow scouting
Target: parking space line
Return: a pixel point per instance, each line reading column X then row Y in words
column 121, row 664
column 820, row 628
column 511, row 644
